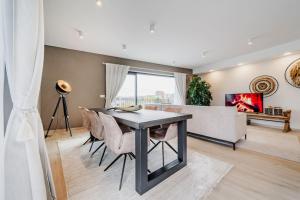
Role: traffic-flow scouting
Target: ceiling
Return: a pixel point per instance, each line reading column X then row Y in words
column 184, row 29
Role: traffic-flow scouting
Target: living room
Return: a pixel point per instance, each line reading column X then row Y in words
column 105, row 99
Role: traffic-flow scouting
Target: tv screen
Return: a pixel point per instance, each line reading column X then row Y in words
column 245, row 102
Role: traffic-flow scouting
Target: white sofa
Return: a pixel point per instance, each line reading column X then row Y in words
column 222, row 123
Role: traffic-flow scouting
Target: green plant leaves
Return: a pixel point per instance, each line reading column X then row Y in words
column 198, row 92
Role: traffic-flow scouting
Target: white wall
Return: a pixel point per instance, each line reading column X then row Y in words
column 237, row 80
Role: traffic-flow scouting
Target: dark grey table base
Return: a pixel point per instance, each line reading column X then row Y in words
column 141, row 121
column 145, row 182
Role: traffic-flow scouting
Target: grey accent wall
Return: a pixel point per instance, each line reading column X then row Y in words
column 86, row 73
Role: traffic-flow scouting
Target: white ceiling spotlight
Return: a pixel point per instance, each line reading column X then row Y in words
column 99, row 3
column 124, row 47
column 152, row 28
column 204, row 54
column 250, row 42
column 79, row 33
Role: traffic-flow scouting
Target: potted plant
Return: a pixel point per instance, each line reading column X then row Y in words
column 198, row 92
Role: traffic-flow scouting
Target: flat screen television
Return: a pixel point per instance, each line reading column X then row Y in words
column 245, row 102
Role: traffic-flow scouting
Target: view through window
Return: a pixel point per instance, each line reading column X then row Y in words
column 143, row 89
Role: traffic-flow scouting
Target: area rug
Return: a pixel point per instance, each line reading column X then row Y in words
column 272, row 142
column 86, row 180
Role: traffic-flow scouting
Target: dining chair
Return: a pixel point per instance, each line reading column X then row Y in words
column 97, row 129
column 165, row 133
column 122, row 144
column 151, row 107
column 85, row 122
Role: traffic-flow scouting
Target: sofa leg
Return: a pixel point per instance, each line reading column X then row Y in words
column 245, row 136
column 233, row 146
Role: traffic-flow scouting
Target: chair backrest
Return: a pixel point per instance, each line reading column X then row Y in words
column 151, row 107
column 85, row 119
column 172, row 131
column 113, row 133
column 172, row 109
column 97, row 128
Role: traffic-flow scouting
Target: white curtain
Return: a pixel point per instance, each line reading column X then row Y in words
column 1, row 100
column 115, row 77
column 180, row 90
column 26, row 164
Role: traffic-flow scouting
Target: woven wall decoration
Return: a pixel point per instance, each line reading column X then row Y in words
column 292, row 74
column 265, row 84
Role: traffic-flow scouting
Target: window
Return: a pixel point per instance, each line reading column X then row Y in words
column 140, row 88
column 126, row 95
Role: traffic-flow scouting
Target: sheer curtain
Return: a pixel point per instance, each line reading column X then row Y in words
column 115, row 77
column 1, row 101
column 26, row 164
column 180, row 91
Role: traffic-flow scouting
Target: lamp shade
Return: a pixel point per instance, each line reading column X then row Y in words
column 63, row 87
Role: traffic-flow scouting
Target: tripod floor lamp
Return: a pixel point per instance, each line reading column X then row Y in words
column 63, row 89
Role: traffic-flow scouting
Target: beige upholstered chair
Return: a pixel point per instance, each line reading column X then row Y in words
column 97, row 129
column 122, row 144
column 164, row 134
column 151, row 107
column 85, row 122
column 170, row 109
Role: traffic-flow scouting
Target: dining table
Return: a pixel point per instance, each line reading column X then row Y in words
column 140, row 121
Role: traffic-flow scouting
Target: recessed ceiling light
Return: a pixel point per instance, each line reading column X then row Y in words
column 152, row 28
column 99, row 3
column 287, row 53
column 124, row 47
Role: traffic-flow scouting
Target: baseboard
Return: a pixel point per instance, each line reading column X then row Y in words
column 211, row 139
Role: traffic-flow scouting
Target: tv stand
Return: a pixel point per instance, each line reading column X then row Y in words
column 285, row 118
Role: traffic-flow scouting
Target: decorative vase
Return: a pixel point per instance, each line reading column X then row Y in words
column 278, row 111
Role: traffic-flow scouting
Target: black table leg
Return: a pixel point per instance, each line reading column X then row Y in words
column 145, row 182
column 141, row 148
column 182, row 146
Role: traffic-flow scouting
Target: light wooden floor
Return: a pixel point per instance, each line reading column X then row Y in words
column 254, row 176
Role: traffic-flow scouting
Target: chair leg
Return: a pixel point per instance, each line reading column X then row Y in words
column 93, row 140
column 245, row 136
column 119, row 156
column 163, row 154
column 152, row 141
column 102, row 155
column 86, row 141
column 97, row 149
column 129, row 155
column 132, row 155
column 171, row 147
column 134, row 158
column 154, row 147
column 120, row 186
